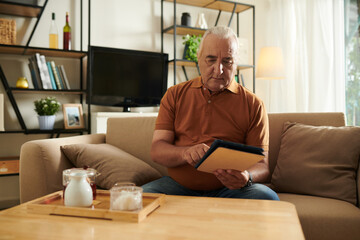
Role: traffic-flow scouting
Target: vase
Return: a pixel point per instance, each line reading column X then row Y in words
column 46, row 122
column 186, row 19
column 78, row 192
column 201, row 22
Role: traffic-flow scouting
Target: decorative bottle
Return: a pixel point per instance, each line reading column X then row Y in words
column 67, row 34
column 53, row 34
column 78, row 192
column 201, row 22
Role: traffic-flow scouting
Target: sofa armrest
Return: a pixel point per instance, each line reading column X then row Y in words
column 42, row 163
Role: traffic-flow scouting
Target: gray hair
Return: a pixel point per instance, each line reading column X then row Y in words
column 221, row 32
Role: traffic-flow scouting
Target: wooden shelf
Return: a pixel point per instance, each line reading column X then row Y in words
column 38, row 131
column 18, row 9
column 12, row 131
column 187, row 63
column 223, row 5
column 183, row 62
column 21, row 50
column 182, row 30
column 243, row 67
column 55, row 131
column 40, row 91
column 9, row 165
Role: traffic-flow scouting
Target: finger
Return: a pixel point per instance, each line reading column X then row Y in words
column 237, row 174
column 230, row 177
column 205, row 147
column 226, row 183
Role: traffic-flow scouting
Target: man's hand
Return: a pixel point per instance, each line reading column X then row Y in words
column 193, row 154
column 232, row 179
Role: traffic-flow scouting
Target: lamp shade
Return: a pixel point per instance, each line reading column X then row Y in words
column 271, row 64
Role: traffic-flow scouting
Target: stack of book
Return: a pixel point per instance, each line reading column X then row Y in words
column 46, row 74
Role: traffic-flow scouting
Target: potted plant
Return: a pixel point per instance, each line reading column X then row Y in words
column 46, row 109
column 192, row 44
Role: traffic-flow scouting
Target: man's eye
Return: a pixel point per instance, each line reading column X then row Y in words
column 228, row 62
column 211, row 61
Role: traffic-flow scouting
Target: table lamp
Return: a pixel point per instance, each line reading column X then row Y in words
column 270, row 65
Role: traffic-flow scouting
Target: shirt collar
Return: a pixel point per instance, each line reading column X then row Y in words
column 233, row 87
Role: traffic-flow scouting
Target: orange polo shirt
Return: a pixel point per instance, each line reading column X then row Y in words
column 198, row 116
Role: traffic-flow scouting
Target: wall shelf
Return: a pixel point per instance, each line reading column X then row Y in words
column 34, row 91
column 22, row 50
column 19, row 9
column 183, row 30
column 56, row 131
column 223, row 5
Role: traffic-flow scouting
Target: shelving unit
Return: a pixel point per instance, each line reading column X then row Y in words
column 220, row 5
column 33, row 11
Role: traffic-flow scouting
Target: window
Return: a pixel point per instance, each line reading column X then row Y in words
column 352, row 60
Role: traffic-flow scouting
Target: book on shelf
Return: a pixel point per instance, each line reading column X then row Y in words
column 60, row 78
column 229, row 155
column 45, row 79
column 52, row 78
column 33, row 75
column 56, row 75
column 64, row 76
column 37, row 81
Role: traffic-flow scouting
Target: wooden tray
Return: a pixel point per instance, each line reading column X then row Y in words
column 53, row 204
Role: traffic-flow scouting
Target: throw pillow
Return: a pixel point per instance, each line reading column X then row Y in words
column 114, row 164
column 320, row 161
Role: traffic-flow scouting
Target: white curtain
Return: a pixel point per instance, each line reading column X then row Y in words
column 311, row 35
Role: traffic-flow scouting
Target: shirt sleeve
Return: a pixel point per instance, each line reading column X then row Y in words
column 166, row 116
column 258, row 132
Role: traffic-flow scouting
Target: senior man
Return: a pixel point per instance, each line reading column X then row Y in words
column 195, row 113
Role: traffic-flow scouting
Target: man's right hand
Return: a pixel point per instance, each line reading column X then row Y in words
column 193, row 154
column 164, row 152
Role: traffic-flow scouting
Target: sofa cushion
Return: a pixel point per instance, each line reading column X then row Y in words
column 325, row 218
column 114, row 164
column 320, row 161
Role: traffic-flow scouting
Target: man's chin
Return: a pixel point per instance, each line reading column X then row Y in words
column 216, row 87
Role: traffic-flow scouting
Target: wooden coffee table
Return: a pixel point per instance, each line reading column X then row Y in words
column 178, row 218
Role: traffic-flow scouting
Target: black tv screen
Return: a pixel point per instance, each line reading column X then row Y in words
column 126, row 78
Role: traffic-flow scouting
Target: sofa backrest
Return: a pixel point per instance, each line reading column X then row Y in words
column 134, row 134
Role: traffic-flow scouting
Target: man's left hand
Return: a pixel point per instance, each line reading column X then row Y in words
column 232, row 179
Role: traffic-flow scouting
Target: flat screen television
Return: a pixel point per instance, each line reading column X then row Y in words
column 126, row 78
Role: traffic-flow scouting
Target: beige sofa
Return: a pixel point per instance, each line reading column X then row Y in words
column 42, row 163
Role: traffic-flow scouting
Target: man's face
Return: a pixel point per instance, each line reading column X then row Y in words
column 217, row 62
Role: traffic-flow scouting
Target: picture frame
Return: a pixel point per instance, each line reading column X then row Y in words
column 73, row 116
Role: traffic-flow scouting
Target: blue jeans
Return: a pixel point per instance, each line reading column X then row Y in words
column 168, row 186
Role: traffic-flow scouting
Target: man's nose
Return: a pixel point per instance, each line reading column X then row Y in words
column 219, row 68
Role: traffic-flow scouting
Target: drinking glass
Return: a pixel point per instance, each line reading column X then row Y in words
column 126, row 198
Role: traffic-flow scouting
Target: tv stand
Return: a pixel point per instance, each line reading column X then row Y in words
column 126, row 109
column 99, row 119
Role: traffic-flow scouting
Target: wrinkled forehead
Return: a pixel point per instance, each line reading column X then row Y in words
column 215, row 46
